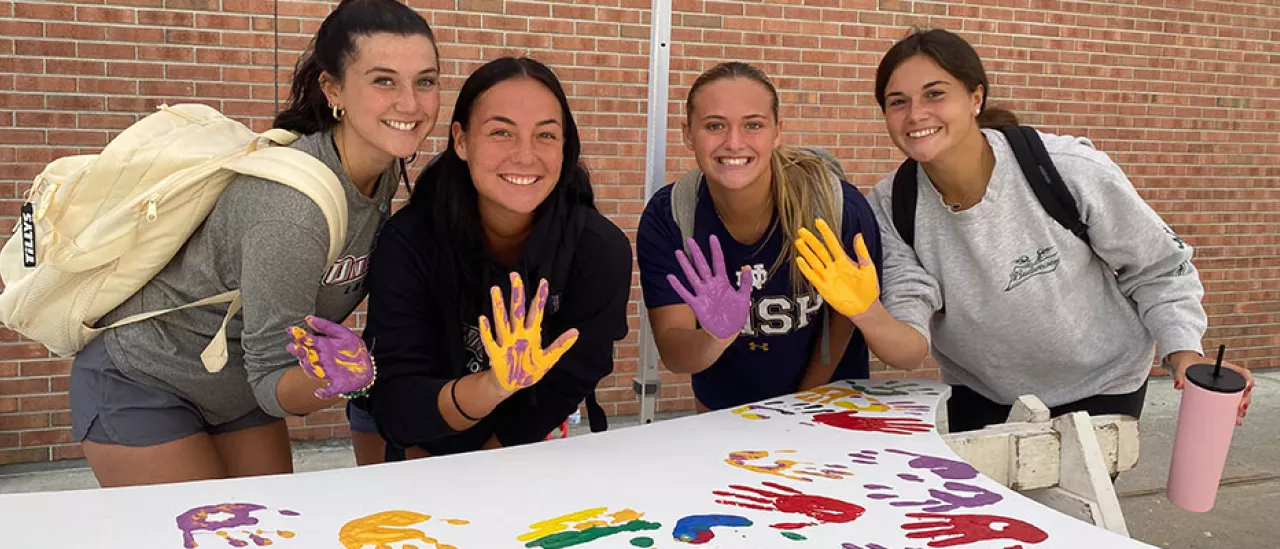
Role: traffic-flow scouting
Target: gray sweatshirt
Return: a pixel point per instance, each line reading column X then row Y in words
column 1029, row 307
column 272, row 243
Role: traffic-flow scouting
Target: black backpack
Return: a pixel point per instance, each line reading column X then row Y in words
column 1036, row 166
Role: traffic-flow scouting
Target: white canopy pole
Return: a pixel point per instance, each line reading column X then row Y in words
column 655, row 173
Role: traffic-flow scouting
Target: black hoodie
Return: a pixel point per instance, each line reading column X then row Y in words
column 422, row 337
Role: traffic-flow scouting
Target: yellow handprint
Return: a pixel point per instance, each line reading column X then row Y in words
column 827, row 395
column 516, row 355
column 382, row 529
column 850, row 288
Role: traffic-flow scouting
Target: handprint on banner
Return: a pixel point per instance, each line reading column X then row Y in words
column 891, row 425
column 696, row 529
column 227, row 520
column 892, row 387
column 952, row 530
column 761, row 411
column 586, row 526
column 952, row 496
column 789, row 500
column 380, row 530
column 948, row 469
column 803, row 471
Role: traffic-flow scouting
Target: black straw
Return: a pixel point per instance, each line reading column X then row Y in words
column 1217, row 367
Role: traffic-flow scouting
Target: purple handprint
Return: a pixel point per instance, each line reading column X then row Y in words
column 941, row 501
column 335, row 354
column 720, row 309
column 948, row 469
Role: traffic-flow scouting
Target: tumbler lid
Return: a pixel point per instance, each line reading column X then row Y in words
column 1227, row 380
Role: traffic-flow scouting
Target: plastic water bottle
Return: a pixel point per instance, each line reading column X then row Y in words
column 575, row 418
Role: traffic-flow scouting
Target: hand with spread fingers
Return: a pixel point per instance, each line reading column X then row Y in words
column 849, row 287
column 334, row 354
column 720, row 309
column 516, row 353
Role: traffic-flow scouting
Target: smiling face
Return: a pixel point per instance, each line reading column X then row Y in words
column 513, row 146
column 927, row 110
column 732, row 132
column 390, row 93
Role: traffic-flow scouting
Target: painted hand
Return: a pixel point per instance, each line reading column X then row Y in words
column 789, row 500
column 334, row 354
column 516, row 353
column 849, row 287
column 949, row 530
column 721, row 310
column 228, row 520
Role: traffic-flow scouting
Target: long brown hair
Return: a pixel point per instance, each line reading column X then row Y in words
column 800, row 189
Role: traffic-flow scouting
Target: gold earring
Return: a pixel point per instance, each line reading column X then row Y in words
column 338, row 112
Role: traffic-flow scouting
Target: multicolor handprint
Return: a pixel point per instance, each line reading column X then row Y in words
column 696, row 529
column 584, row 526
column 516, row 354
column 790, row 469
column 789, row 500
column 761, row 411
column 382, row 529
column 951, row 530
column 225, row 520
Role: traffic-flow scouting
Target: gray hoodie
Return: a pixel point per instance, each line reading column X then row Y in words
column 1029, row 307
column 272, row 243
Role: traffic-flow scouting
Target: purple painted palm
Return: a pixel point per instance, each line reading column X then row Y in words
column 721, row 310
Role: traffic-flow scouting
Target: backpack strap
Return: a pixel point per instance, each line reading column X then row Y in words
column 904, row 196
column 1045, row 180
column 684, row 203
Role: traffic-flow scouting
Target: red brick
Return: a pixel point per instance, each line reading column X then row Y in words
column 23, row 455
column 44, row 402
column 67, row 451
column 18, row 422
column 45, row 437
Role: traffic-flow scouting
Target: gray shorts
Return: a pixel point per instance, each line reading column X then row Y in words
column 360, row 420
column 109, row 408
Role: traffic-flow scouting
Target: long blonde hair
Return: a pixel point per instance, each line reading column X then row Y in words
column 801, row 192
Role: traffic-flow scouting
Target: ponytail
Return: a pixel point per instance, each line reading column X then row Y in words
column 801, row 194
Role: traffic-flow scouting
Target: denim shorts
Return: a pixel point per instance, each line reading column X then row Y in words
column 361, row 421
column 109, row 408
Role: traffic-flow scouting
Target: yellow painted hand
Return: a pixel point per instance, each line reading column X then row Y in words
column 849, row 287
column 516, row 354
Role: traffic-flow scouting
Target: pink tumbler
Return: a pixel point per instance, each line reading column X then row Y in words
column 1206, row 421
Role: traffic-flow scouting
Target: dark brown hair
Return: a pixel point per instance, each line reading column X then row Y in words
column 956, row 57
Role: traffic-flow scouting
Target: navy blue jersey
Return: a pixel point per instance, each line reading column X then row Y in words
column 773, row 350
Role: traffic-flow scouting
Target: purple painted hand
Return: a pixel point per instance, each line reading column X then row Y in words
column 721, row 310
column 334, row 354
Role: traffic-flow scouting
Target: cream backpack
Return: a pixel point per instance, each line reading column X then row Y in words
column 96, row 228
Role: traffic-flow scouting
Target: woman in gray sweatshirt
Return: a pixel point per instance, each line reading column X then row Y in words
column 1007, row 299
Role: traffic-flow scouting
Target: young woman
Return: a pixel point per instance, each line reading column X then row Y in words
column 143, row 406
column 507, row 202
column 1010, row 302
column 745, row 208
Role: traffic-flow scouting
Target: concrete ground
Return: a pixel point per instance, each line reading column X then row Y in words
column 1243, row 518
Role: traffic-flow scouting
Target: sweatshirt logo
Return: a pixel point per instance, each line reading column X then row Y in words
column 347, row 270
column 1046, row 261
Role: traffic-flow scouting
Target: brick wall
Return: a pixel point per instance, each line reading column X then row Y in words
column 1185, row 95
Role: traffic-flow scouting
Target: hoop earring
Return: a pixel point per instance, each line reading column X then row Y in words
column 411, row 158
column 338, row 112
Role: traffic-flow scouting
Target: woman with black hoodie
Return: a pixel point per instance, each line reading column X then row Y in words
column 506, row 203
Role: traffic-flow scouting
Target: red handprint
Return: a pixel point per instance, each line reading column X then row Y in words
column 949, row 530
column 789, row 500
column 895, row 426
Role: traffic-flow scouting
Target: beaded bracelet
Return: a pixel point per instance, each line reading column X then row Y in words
column 453, row 393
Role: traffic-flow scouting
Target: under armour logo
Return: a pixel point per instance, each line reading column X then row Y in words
column 758, row 346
